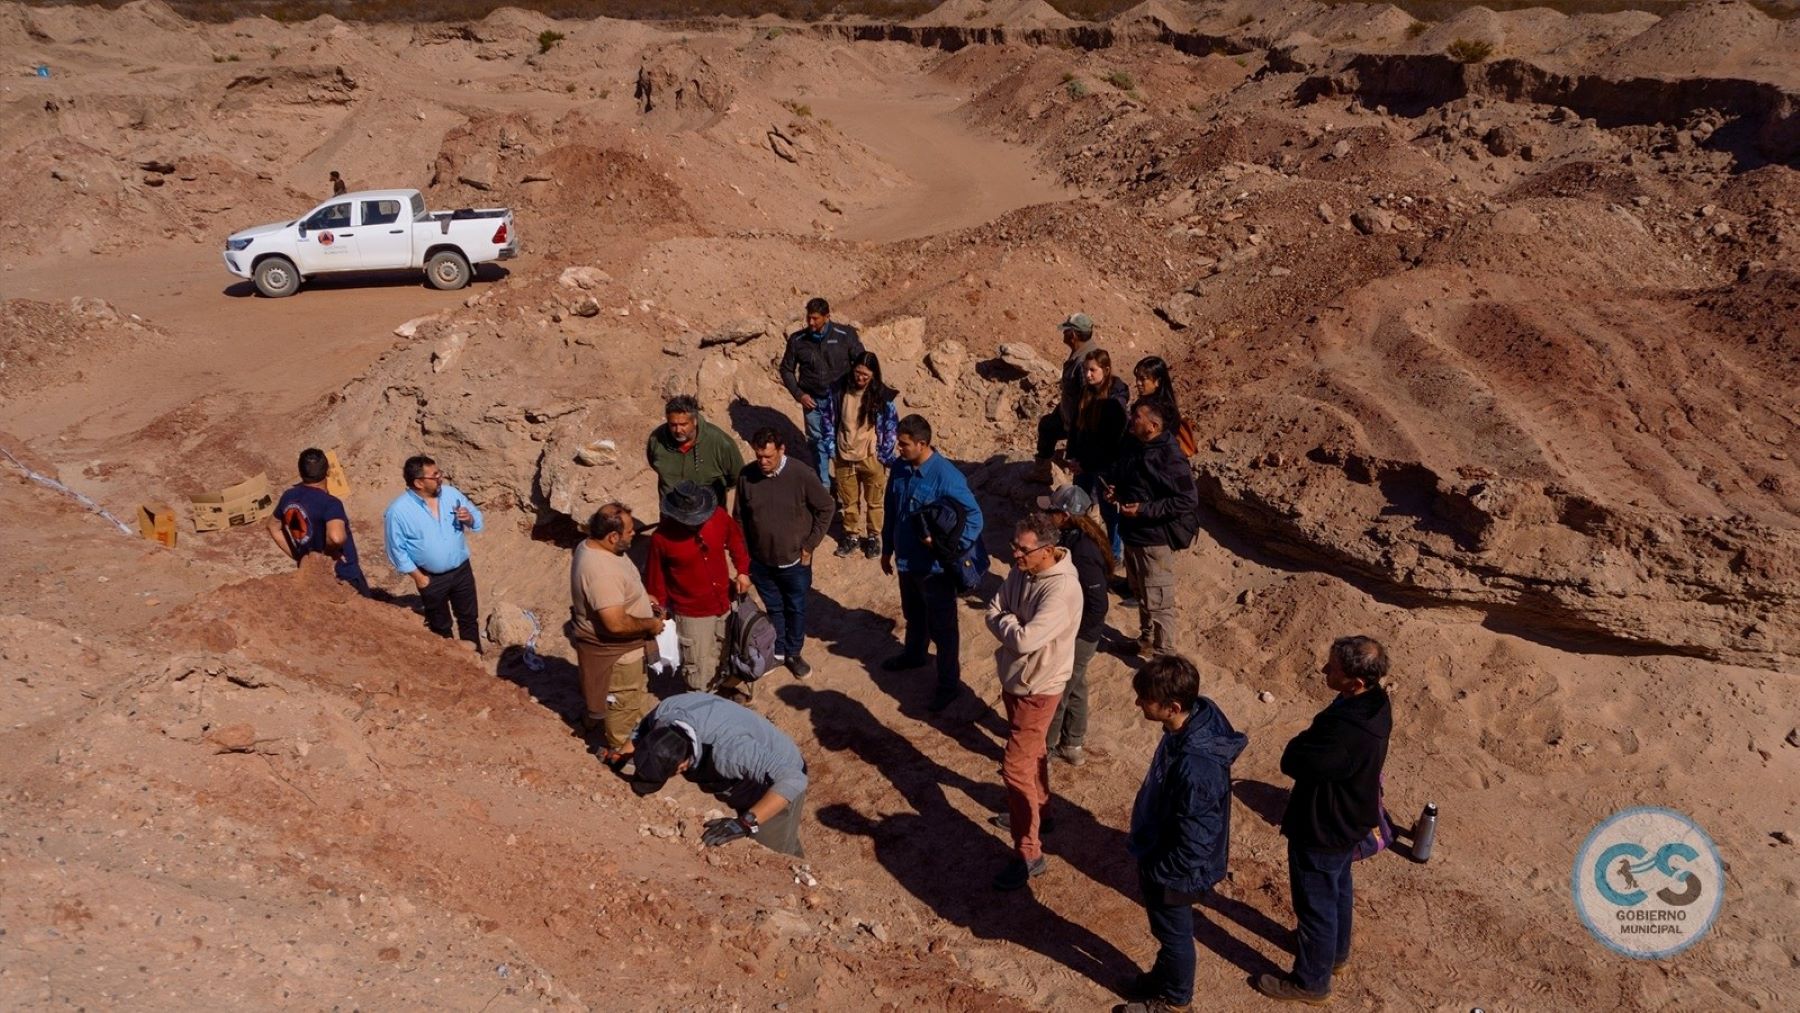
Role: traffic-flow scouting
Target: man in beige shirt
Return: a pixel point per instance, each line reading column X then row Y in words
column 611, row 622
column 1035, row 617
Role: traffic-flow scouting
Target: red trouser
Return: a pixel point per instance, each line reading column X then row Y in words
column 1026, row 767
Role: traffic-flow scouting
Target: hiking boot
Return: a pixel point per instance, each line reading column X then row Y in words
column 905, row 662
column 1286, row 989
column 1156, row 1004
column 1338, row 968
column 1019, row 872
column 798, row 666
column 943, row 698
column 1146, row 648
column 1140, row 987
column 1004, row 822
column 871, row 548
column 847, row 547
column 1074, row 756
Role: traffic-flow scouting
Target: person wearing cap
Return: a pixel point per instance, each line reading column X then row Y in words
column 1054, row 427
column 612, row 625
column 693, row 554
column 687, row 446
column 734, row 754
column 1087, row 546
column 817, row 357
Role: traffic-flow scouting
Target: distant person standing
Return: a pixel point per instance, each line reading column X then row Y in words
column 1034, row 616
column 1086, row 544
column 1098, row 434
column 860, row 426
column 427, row 530
column 785, row 511
column 687, row 447
column 338, row 187
column 1054, row 427
column 1336, row 766
column 613, row 622
column 817, row 357
column 1159, row 514
column 1180, row 823
column 922, row 479
column 693, row 554
column 308, row 519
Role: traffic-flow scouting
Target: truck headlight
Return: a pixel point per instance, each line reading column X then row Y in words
column 235, row 245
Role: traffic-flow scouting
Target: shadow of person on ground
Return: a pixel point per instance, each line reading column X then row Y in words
column 913, row 847
column 746, row 418
column 1265, row 800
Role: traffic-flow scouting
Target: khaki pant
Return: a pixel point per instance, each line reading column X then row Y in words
column 702, row 640
column 624, row 678
column 861, row 482
column 782, row 832
column 1151, row 571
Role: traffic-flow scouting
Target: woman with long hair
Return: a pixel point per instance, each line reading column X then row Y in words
column 859, row 424
column 1154, row 384
column 1089, row 549
column 1097, row 435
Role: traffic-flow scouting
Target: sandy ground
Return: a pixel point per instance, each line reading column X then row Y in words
column 1529, row 420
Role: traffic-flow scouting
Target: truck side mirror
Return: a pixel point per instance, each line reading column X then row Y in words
column 302, row 230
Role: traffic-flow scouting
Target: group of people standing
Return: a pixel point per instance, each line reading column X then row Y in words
column 727, row 526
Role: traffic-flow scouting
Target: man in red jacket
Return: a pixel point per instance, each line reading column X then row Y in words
column 693, row 554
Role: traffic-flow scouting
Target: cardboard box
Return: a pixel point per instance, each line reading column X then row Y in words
column 247, row 502
column 337, row 482
column 156, row 521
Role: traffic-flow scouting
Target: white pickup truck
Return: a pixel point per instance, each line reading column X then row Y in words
column 372, row 230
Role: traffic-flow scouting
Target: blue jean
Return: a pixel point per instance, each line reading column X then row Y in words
column 815, row 440
column 928, row 607
column 783, row 591
column 1089, row 482
column 1172, row 925
column 1323, row 899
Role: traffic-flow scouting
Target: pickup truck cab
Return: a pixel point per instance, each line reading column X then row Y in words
column 372, row 230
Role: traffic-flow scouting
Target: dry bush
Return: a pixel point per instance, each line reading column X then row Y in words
column 1469, row 50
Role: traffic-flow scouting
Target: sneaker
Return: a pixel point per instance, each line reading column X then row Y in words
column 798, row 666
column 1074, row 756
column 871, row 548
column 847, row 547
column 1286, row 989
column 1019, row 872
column 1004, row 822
column 1140, row 987
column 1156, row 1004
column 904, row 662
column 1146, row 648
column 1338, row 968
column 942, row 699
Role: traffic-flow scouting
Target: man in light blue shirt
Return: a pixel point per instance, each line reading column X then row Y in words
column 426, row 538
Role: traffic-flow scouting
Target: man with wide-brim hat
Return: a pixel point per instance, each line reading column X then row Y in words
column 696, row 550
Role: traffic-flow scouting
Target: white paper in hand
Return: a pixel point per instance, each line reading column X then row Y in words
column 668, row 649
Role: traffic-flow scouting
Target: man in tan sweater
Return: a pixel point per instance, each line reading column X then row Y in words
column 1035, row 617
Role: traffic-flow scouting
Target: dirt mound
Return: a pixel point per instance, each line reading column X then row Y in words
column 1715, row 38
column 50, row 344
column 994, row 14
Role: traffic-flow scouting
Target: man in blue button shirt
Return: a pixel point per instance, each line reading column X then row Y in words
column 918, row 479
column 426, row 539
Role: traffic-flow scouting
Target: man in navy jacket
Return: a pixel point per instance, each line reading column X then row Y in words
column 920, row 478
column 1180, row 824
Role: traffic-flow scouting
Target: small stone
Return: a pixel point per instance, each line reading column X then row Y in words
column 1781, row 837
column 1266, row 697
column 586, row 306
column 597, row 453
column 1326, row 215
column 1793, row 738
column 1279, row 272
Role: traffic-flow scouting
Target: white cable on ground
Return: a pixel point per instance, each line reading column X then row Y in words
column 51, row 483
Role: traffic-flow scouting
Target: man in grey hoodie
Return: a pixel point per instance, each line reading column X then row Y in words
column 734, row 754
column 1180, row 824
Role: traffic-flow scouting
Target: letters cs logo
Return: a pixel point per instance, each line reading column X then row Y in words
column 1648, row 882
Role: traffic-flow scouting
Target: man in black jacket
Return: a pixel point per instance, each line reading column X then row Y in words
column 1159, row 514
column 1336, row 766
column 818, row 355
column 1180, row 824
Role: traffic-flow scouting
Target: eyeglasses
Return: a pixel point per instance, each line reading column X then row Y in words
column 1022, row 551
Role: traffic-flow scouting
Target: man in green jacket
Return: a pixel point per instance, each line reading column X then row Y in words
column 687, row 448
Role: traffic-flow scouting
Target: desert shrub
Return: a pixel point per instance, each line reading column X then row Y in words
column 797, row 108
column 1078, row 89
column 1416, row 29
column 1120, row 80
column 547, row 39
column 1469, row 50
column 775, row 33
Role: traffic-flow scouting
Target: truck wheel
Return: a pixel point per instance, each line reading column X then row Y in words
column 447, row 270
column 276, row 277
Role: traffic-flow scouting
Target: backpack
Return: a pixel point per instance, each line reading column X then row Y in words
column 749, row 640
column 942, row 521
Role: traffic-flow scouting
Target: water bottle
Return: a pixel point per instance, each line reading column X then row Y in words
column 1424, row 833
